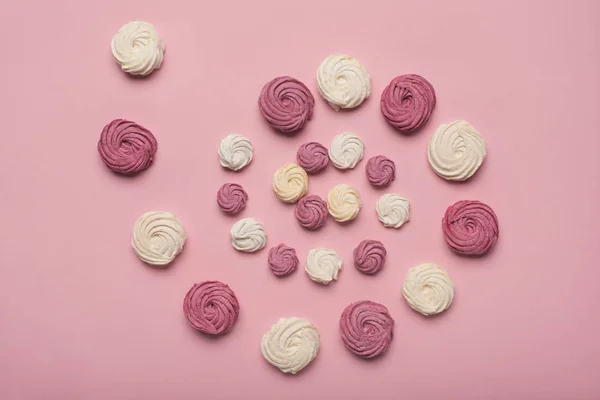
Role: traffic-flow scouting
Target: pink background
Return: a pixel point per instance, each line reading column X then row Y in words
column 83, row 318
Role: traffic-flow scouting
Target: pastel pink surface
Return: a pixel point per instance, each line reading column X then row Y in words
column 83, row 318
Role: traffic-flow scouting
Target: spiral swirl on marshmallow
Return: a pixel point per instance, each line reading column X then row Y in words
column 381, row 171
column 157, row 238
column 456, row 151
column 286, row 103
column 343, row 81
column 393, row 210
column 470, row 227
column 346, row 150
column 282, row 260
column 235, row 152
column 290, row 183
column 291, row 344
column 248, row 235
column 126, row 147
column 407, row 102
column 369, row 256
column 323, row 265
column 428, row 289
column 232, row 198
column 311, row 212
column 313, row 157
column 137, row 48
column 367, row 328
column 343, row 203
column 211, row 307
